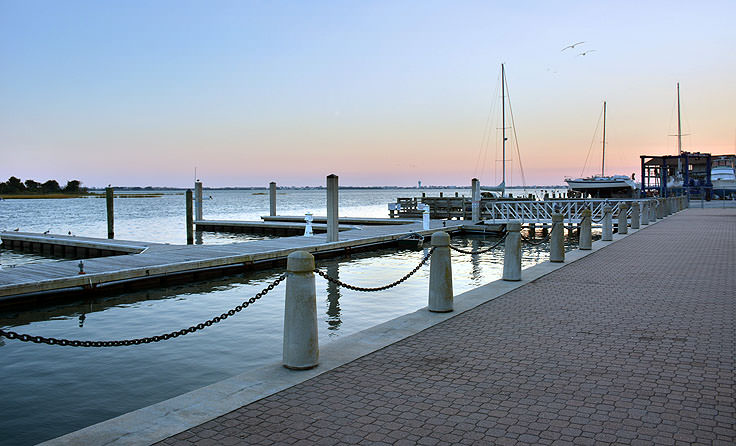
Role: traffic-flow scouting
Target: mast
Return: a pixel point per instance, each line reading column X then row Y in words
column 603, row 160
column 679, row 124
column 503, row 124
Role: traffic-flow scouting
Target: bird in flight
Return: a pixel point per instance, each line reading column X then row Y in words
column 571, row 46
column 585, row 53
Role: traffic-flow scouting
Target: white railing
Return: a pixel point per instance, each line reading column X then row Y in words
column 541, row 211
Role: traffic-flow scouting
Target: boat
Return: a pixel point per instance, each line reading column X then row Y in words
column 723, row 175
column 602, row 186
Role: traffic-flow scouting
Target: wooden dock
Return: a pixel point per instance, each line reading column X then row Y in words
column 157, row 262
column 280, row 228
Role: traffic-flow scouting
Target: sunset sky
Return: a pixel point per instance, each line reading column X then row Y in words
column 138, row 93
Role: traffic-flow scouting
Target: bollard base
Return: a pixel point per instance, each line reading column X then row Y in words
column 442, row 311
column 511, row 280
column 307, row 367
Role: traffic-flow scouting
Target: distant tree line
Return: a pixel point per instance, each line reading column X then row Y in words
column 16, row 186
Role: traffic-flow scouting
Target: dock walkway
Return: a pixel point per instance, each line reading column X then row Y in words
column 633, row 344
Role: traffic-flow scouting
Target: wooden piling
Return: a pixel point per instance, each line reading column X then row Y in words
column 332, row 208
column 190, row 218
column 110, row 213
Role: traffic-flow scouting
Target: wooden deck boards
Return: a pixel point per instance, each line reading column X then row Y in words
column 162, row 259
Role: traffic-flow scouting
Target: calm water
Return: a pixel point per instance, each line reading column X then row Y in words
column 51, row 390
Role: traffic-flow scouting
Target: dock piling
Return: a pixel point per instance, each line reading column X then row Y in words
column 557, row 239
column 198, row 200
column 272, row 198
column 623, row 223
column 512, row 252
column 301, row 343
column 440, row 274
column 110, row 213
column 586, row 237
column 475, row 204
column 190, row 220
column 332, row 211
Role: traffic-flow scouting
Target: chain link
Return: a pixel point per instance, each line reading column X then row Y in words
column 148, row 340
column 544, row 240
column 380, row 288
column 482, row 251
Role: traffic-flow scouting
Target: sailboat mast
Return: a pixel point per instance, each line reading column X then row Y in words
column 603, row 160
column 503, row 124
column 679, row 124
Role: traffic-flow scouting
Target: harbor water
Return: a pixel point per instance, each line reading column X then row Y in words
column 52, row 390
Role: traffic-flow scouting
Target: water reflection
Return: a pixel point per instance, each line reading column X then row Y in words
column 333, row 298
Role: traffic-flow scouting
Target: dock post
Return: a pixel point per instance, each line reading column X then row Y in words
column 557, row 239
column 440, row 274
column 635, row 218
column 607, row 230
column 190, row 222
column 110, row 213
column 652, row 210
column 512, row 252
column 333, row 229
column 301, row 344
column 623, row 222
column 644, row 217
column 586, row 237
column 475, row 187
column 198, row 200
column 272, row 198
column 659, row 214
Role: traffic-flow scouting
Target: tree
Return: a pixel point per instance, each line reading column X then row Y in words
column 72, row 187
column 50, row 187
column 32, row 186
column 15, row 185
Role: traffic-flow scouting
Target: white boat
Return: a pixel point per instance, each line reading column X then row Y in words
column 602, row 186
column 723, row 176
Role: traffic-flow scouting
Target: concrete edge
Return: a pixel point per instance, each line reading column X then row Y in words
column 170, row 417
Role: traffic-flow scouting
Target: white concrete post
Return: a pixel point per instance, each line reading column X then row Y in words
column 607, row 230
column 301, row 344
column 425, row 216
column 586, row 235
column 557, row 240
column 308, row 227
column 635, row 218
column 333, row 229
column 475, row 187
column 644, row 220
column 512, row 252
column 652, row 210
column 272, row 198
column 623, row 223
column 198, row 200
column 659, row 214
column 440, row 274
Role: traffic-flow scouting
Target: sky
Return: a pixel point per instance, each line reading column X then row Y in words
column 139, row 93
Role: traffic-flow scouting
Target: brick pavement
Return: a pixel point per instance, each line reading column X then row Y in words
column 633, row 344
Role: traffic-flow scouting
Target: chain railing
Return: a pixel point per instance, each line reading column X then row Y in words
column 482, row 251
column 147, row 340
column 380, row 288
column 539, row 242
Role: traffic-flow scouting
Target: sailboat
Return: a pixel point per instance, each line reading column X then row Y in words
column 602, row 186
column 501, row 188
column 675, row 181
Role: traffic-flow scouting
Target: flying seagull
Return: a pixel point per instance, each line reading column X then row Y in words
column 571, row 46
column 585, row 53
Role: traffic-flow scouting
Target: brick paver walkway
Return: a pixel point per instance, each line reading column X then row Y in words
column 633, row 344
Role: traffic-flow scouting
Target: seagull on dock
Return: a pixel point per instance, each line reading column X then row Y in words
column 16, row 229
column 70, row 233
column 585, row 53
column 572, row 46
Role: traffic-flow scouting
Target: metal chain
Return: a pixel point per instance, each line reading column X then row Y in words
column 380, row 288
column 482, row 251
column 544, row 240
column 163, row 337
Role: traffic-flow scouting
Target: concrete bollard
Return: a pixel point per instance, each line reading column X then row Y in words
column 652, row 210
column 557, row 240
column 198, row 200
column 659, row 210
column 475, row 204
column 644, row 220
column 190, row 218
column 301, row 345
column 333, row 229
column 635, row 218
column 110, row 213
column 272, row 198
column 425, row 216
column 586, row 235
column 607, row 230
column 623, row 223
column 512, row 252
column 440, row 274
